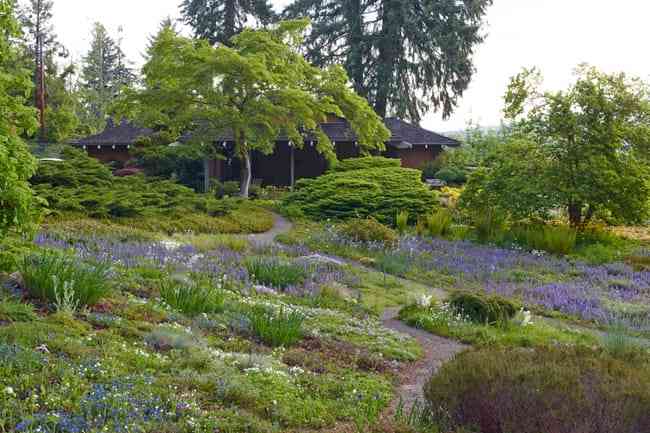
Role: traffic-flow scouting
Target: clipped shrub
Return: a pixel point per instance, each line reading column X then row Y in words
column 365, row 163
column 481, row 308
column 53, row 277
column 377, row 192
column 439, row 223
column 192, row 298
column 281, row 328
column 273, row 272
column 559, row 390
column 368, row 230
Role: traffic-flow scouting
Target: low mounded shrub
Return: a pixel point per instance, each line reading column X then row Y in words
column 52, row 277
column 379, row 191
column 559, row 390
column 368, row 230
column 481, row 308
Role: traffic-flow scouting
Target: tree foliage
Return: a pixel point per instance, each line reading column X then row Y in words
column 220, row 20
column 405, row 56
column 17, row 203
column 254, row 91
column 585, row 150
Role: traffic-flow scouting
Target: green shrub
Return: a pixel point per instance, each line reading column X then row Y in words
column 12, row 310
column 438, row 223
column 489, row 225
column 402, row 221
column 452, row 175
column 282, row 328
column 370, row 162
column 481, row 308
column 192, row 298
column 393, row 264
column 181, row 163
column 274, row 272
column 559, row 390
column 377, row 192
column 368, row 230
column 51, row 276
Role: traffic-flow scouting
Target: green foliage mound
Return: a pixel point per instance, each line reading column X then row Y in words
column 365, row 164
column 481, row 308
column 380, row 192
column 368, row 230
column 560, row 390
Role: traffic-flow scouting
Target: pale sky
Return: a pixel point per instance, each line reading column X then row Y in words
column 554, row 35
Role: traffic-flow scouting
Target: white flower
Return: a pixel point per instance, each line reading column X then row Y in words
column 10, row 391
column 425, row 301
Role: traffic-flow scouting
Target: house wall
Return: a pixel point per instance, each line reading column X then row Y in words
column 416, row 157
column 107, row 154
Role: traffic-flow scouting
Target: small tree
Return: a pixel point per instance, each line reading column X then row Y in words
column 16, row 163
column 588, row 148
column 254, row 91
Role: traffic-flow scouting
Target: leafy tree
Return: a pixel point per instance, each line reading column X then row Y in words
column 255, row 90
column 405, row 56
column 585, row 150
column 105, row 72
column 17, row 202
column 220, row 20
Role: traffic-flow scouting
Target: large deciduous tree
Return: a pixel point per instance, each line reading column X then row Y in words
column 586, row 151
column 405, row 56
column 104, row 73
column 17, row 206
column 219, row 20
column 255, row 90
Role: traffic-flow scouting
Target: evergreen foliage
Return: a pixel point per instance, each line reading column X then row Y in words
column 381, row 192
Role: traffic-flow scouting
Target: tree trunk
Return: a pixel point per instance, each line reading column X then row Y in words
column 229, row 21
column 246, row 174
column 355, row 57
column 389, row 46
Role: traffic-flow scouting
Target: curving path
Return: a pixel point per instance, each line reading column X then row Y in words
column 437, row 350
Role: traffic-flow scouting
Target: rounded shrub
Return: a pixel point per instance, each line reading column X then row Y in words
column 482, row 308
column 553, row 389
column 368, row 230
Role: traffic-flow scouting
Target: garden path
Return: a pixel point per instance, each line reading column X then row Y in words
column 437, row 351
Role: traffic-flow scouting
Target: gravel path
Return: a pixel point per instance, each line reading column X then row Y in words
column 437, row 351
column 281, row 226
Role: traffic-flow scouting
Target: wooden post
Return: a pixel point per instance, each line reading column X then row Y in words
column 293, row 165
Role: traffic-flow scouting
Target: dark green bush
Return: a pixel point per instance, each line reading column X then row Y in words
column 377, row 192
column 365, row 163
column 452, row 175
column 559, row 390
column 183, row 163
column 368, row 230
column 481, row 308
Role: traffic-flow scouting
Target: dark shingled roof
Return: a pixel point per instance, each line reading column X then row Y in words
column 126, row 133
column 404, row 134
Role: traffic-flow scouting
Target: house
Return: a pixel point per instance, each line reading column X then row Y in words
column 415, row 146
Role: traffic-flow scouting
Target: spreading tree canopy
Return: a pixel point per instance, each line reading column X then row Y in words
column 16, row 163
column 257, row 89
column 405, row 56
column 585, row 150
column 220, row 20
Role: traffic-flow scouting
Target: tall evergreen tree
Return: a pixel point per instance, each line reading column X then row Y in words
column 405, row 56
column 43, row 48
column 105, row 71
column 219, row 20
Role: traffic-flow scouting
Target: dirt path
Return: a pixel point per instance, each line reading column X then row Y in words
column 281, row 226
column 437, row 351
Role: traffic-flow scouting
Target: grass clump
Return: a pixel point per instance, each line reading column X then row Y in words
column 281, row 328
column 546, row 389
column 439, row 223
column 558, row 239
column 192, row 298
column 273, row 272
column 58, row 278
column 402, row 221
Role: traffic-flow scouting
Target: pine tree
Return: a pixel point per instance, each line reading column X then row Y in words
column 105, row 71
column 219, row 20
column 406, row 56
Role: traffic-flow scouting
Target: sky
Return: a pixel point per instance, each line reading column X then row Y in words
column 554, row 35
